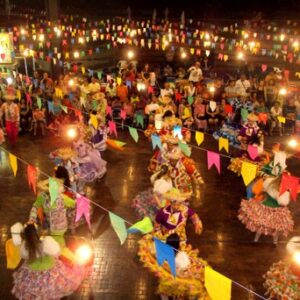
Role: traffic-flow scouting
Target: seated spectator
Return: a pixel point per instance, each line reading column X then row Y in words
column 199, row 114
column 230, row 90
column 212, row 112
column 38, row 119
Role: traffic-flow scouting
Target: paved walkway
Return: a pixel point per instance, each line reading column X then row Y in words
column 225, row 243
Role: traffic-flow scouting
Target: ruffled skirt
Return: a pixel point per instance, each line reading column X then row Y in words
column 236, row 164
column 281, row 283
column 145, row 204
column 190, row 283
column 264, row 219
column 55, row 283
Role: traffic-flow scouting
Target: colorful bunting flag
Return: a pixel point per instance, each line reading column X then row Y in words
column 32, row 177
column 223, row 143
column 119, row 227
column 217, row 285
column 213, row 158
column 94, row 120
column 53, row 189
column 165, row 252
column 156, row 141
column 281, row 119
column 39, row 102
column 117, row 145
column 190, row 100
column 64, row 108
column 199, row 137
column 185, row 148
column 244, row 114
column 252, row 151
column 291, row 184
column 112, row 128
column 109, row 110
column 83, row 209
column 177, row 132
column 248, row 172
column 134, row 134
column 123, row 114
column 13, row 163
column 144, row 226
column 50, row 107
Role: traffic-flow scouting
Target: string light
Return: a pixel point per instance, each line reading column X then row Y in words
column 71, row 82
column 83, row 254
column 130, row 54
column 282, row 91
column 141, row 86
column 293, row 143
column 41, row 37
column 183, row 55
column 76, row 54
column 282, row 37
column 212, row 89
column 241, row 56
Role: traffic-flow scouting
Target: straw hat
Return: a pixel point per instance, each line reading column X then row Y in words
column 43, row 185
column 177, row 196
column 252, row 117
column 170, row 139
column 175, row 154
column 65, row 153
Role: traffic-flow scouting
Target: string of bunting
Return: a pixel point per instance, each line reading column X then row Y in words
column 215, row 283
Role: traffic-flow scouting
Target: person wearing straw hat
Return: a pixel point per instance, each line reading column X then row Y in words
column 189, row 280
column 250, row 133
column 282, row 281
column 148, row 202
column 182, row 170
column 173, row 218
column 10, row 112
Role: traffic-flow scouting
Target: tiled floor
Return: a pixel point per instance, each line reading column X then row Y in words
column 117, row 274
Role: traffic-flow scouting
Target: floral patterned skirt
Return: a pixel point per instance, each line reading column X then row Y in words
column 281, row 283
column 264, row 219
column 55, row 283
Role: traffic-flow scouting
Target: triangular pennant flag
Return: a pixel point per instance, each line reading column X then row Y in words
column 263, row 117
column 156, row 141
column 112, row 128
column 13, row 161
column 83, row 209
column 117, row 145
column 109, row 110
column 223, row 143
column 217, row 285
column 244, row 114
column 177, row 132
column 94, row 121
column 13, row 256
column 53, row 189
column 50, row 107
column 199, row 137
column 39, row 102
column 190, row 100
column 134, row 134
column 248, row 172
column 165, row 252
column 32, row 177
column 281, row 119
column 140, row 120
column 119, row 227
column 252, row 151
column 289, row 183
column 64, row 108
column 213, row 158
column 185, row 148
column 123, row 114
column 144, row 226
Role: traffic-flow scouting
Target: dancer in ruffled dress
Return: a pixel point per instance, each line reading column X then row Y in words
column 282, row 281
column 91, row 165
column 267, row 212
column 43, row 274
column 148, row 202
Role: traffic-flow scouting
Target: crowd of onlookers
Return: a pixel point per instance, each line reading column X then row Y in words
column 201, row 102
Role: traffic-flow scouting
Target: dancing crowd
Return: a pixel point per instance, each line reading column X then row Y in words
column 243, row 109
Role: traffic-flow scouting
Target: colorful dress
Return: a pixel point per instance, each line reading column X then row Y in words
column 48, row 277
column 228, row 132
column 266, row 216
column 281, row 283
column 169, row 222
column 183, row 174
column 187, row 283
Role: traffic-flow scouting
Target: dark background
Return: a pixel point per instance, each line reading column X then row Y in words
column 221, row 9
